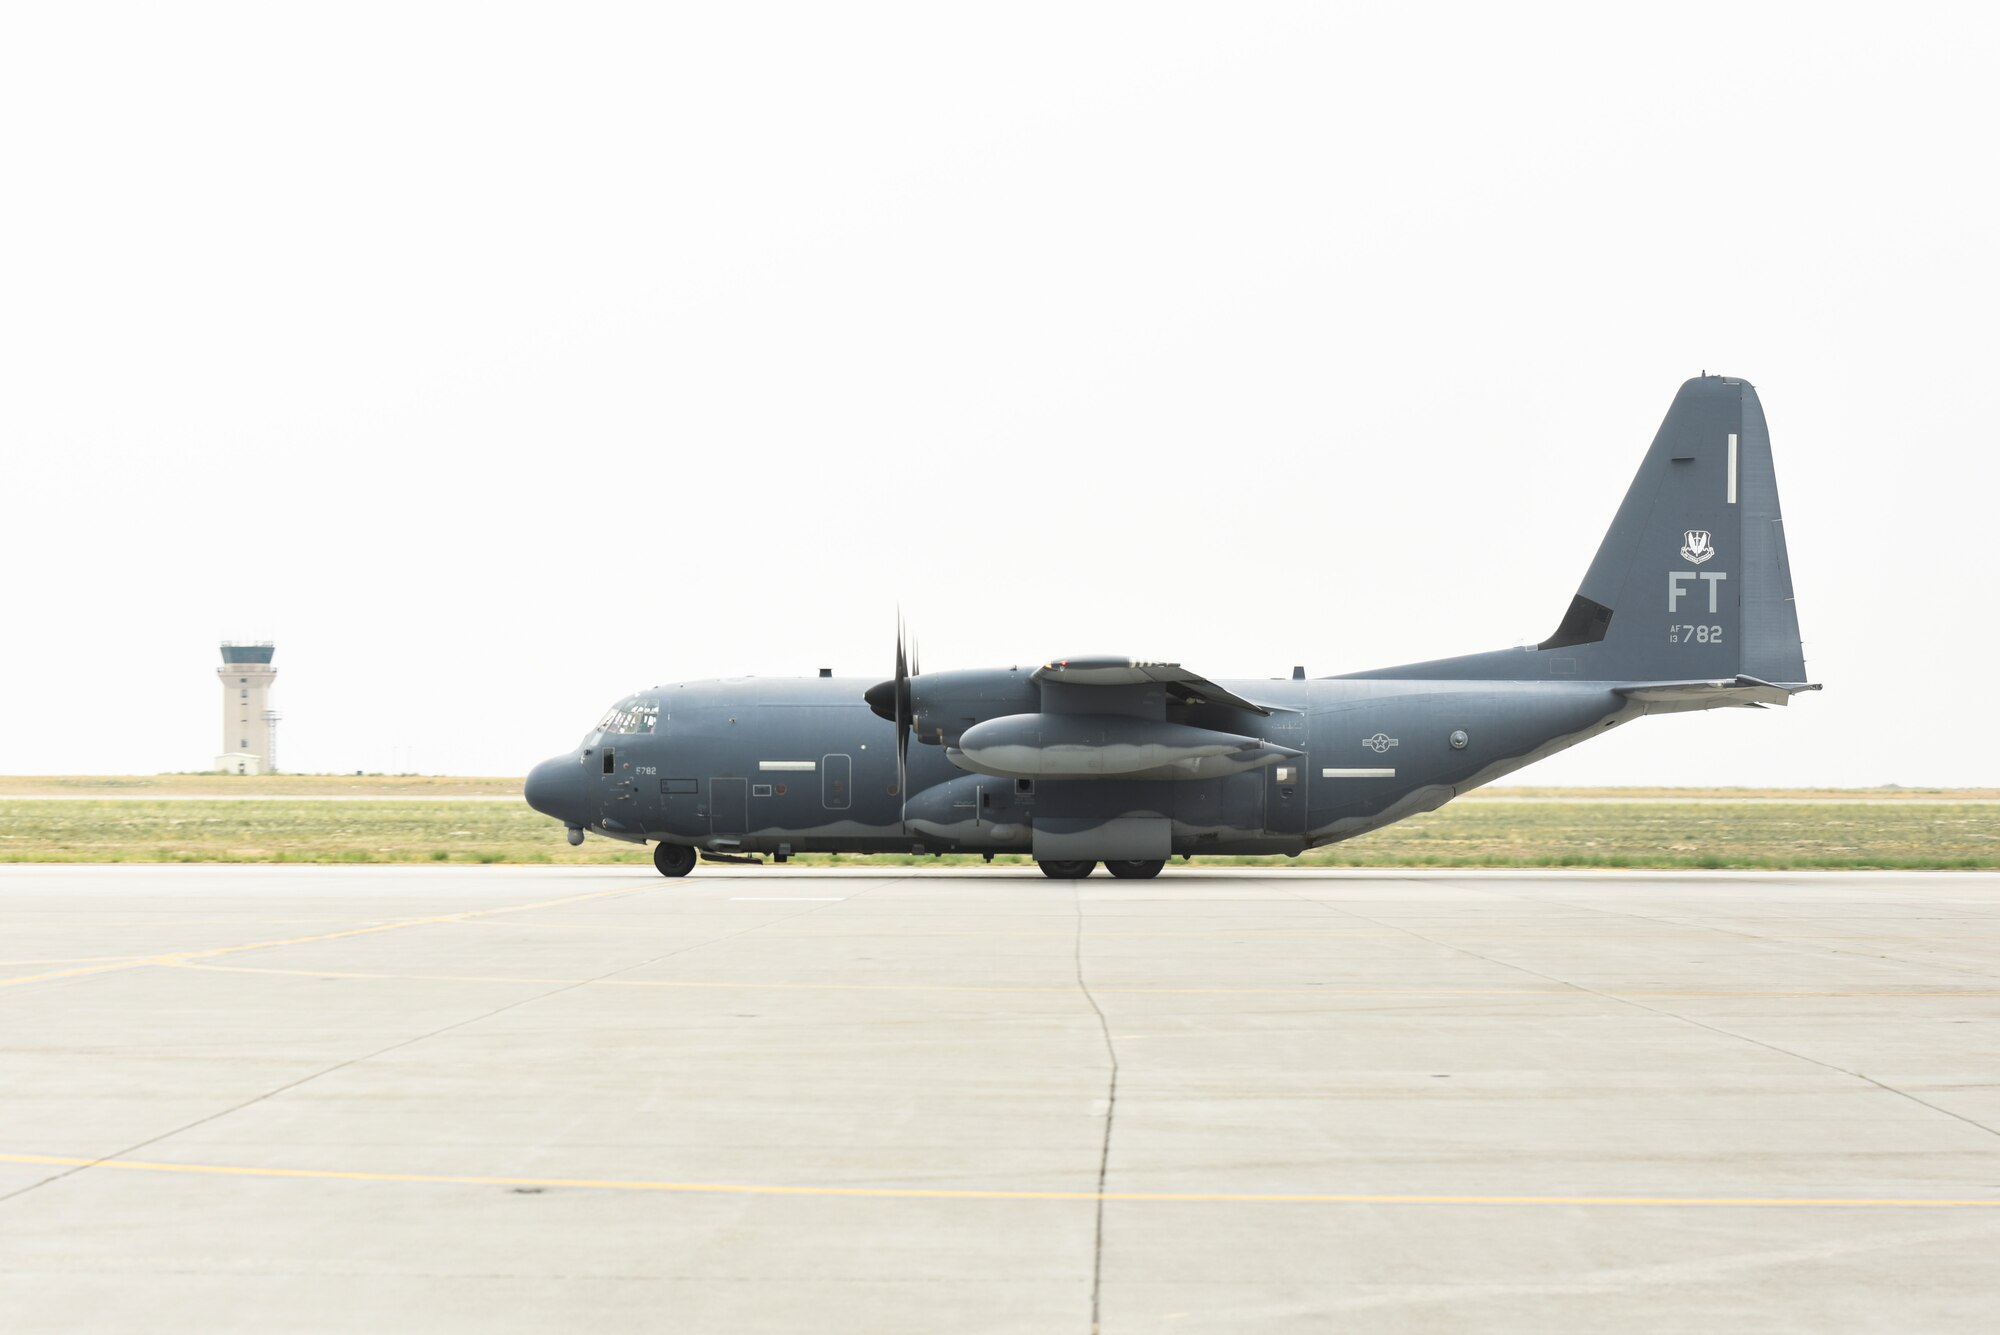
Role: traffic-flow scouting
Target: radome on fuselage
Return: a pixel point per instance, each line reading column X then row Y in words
column 1688, row 605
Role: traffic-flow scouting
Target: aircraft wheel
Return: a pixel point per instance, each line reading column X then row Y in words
column 1067, row 871
column 673, row 859
column 1136, row 871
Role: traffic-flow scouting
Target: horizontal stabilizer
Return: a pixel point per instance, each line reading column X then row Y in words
column 1188, row 687
column 1740, row 690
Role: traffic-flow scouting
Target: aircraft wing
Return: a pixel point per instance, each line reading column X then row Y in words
column 1739, row 691
column 1187, row 687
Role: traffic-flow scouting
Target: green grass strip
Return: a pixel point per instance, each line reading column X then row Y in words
column 1672, row 834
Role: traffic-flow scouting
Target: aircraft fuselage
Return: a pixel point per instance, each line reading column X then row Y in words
column 803, row 765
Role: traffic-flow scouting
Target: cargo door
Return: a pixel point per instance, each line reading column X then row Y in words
column 1285, row 782
column 729, row 806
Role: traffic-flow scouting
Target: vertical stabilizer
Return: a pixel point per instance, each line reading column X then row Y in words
column 1692, row 580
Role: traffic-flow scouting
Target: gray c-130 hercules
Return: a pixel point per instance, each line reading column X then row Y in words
column 1688, row 605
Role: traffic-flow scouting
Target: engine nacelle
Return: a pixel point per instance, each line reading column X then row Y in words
column 944, row 704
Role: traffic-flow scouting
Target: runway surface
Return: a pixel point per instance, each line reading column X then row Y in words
column 261, row 1098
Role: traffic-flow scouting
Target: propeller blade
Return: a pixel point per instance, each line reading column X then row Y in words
column 902, row 724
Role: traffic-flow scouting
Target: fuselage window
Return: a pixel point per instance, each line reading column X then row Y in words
column 610, row 763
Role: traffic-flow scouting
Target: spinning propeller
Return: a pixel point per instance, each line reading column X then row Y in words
column 891, row 700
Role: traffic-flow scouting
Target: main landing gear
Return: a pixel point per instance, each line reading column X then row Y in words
column 1076, row 871
column 679, row 860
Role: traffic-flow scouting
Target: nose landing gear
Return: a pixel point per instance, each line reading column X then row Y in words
column 673, row 859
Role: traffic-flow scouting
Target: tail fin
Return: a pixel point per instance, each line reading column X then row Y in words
column 1692, row 584
column 1693, row 580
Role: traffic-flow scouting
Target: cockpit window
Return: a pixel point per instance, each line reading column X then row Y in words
column 632, row 716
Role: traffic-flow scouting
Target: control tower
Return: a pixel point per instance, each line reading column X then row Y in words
column 248, row 725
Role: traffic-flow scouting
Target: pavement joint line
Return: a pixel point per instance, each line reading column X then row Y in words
column 1638, row 1001
column 1002, row 1194
column 183, row 956
column 558, row 987
column 1303, row 991
column 1801, row 946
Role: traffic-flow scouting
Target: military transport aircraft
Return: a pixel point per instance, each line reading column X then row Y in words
column 1688, row 605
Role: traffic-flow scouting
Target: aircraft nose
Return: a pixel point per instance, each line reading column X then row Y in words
column 555, row 788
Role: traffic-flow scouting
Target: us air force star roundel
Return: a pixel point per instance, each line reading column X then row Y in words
column 1379, row 743
column 1697, row 547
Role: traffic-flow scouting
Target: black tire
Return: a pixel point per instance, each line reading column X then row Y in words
column 673, row 859
column 1067, row 871
column 1135, row 871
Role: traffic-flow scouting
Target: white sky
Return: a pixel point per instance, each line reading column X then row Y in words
column 496, row 360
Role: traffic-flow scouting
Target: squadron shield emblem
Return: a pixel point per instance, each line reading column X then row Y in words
column 1697, row 547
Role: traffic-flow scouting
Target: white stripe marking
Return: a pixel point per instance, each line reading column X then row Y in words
column 1357, row 774
column 1732, row 469
column 786, row 899
column 803, row 766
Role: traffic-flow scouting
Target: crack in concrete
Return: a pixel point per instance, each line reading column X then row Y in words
column 1110, row 1115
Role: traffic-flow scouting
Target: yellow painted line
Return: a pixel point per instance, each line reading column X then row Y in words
column 1069, row 989
column 855, row 932
column 70, row 973
column 983, row 1194
column 182, row 957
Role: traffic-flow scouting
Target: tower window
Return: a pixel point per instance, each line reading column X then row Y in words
column 243, row 694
